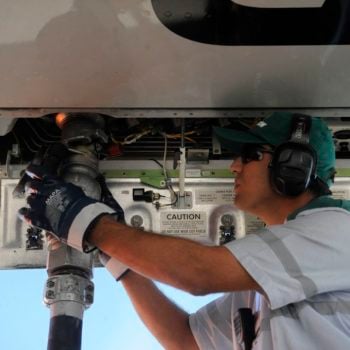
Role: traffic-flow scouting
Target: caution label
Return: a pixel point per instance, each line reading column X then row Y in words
column 183, row 223
column 214, row 196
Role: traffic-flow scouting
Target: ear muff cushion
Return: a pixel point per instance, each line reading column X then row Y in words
column 292, row 168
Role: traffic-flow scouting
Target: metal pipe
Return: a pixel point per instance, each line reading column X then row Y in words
column 69, row 289
column 182, row 170
column 68, row 292
column 183, row 133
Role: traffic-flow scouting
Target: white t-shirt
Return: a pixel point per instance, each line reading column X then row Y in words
column 303, row 266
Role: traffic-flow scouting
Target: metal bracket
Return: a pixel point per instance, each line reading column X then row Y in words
column 184, row 202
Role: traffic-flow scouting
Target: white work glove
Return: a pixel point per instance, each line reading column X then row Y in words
column 115, row 267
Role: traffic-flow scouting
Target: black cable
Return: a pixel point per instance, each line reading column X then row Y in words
column 36, row 134
column 27, row 145
column 38, row 124
column 156, row 161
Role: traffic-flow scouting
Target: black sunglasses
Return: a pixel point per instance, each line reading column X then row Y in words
column 250, row 152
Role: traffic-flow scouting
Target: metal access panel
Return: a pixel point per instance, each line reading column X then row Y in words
column 207, row 213
column 207, row 216
column 150, row 54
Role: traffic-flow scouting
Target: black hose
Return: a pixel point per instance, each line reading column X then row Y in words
column 65, row 333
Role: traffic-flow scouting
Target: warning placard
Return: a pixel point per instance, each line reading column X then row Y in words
column 183, row 223
column 214, row 196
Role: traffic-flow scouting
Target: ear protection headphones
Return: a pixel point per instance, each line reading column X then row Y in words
column 293, row 165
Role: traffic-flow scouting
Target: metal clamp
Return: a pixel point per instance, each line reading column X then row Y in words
column 69, row 288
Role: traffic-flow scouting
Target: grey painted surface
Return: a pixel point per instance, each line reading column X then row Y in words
column 116, row 54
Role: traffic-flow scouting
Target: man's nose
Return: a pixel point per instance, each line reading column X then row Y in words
column 236, row 165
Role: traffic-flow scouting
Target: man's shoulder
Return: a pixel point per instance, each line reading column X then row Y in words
column 322, row 215
column 322, row 204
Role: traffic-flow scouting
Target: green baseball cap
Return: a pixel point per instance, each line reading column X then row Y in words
column 275, row 130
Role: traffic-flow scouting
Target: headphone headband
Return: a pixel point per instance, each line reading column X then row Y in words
column 300, row 128
column 293, row 165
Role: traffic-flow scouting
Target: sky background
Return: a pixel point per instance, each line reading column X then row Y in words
column 110, row 323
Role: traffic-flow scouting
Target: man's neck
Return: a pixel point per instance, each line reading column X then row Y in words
column 278, row 210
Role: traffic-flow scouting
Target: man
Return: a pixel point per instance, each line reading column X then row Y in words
column 293, row 275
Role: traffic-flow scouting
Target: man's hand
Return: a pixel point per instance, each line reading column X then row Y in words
column 62, row 209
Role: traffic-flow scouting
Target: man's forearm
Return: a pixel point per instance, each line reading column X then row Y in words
column 198, row 269
column 167, row 322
